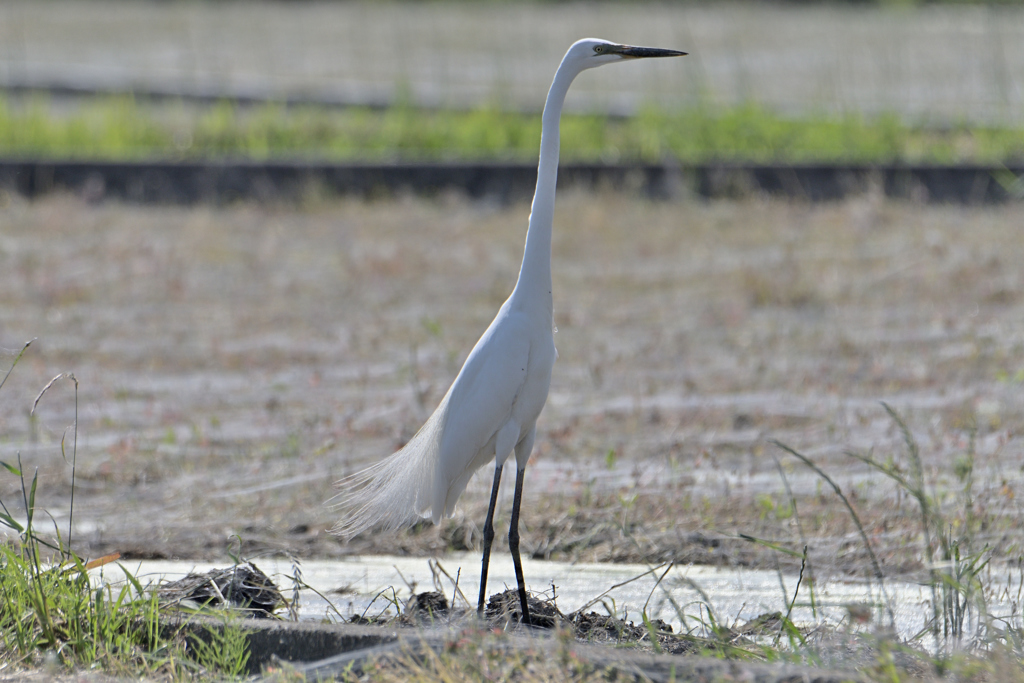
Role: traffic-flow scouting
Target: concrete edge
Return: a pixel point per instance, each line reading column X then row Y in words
column 321, row 651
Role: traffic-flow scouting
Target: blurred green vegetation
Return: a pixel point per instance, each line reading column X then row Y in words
column 119, row 128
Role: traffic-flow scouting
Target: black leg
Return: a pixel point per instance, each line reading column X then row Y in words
column 488, row 537
column 513, row 544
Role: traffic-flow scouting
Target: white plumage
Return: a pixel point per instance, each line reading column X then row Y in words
column 492, row 406
column 497, row 407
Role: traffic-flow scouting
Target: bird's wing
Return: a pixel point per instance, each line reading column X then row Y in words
column 434, row 467
column 481, row 402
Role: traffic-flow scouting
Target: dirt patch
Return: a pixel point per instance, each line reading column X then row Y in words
column 233, row 362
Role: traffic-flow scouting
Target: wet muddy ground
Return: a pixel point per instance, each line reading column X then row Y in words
column 233, row 362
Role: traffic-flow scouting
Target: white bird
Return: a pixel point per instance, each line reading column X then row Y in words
column 492, row 406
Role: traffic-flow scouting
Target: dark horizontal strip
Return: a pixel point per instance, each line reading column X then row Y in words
column 254, row 97
column 197, row 95
column 218, row 182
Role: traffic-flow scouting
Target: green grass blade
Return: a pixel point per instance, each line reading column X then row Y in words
column 652, row 633
column 30, row 505
column 11, row 522
column 876, row 567
column 132, row 580
column 16, row 359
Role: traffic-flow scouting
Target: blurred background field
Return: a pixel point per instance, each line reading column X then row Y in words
column 234, row 358
column 790, row 82
column 235, row 361
column 937, row 62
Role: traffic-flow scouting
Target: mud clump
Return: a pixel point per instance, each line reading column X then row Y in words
column 768, row 623
column 425, row 608
column 361, row 620
column 505, row 607
column 594, row 626
column 243, row 586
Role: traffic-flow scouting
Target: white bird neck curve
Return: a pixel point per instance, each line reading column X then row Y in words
column 534, row 283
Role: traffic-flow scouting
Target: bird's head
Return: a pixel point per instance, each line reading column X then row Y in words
column 591, row 52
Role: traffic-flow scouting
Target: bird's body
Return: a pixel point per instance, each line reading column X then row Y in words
column 492, row 406
column 505, row 381
column 499, row 393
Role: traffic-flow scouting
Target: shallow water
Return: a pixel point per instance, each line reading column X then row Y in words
column 364, row 585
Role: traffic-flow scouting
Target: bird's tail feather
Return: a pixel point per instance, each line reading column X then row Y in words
column 396, row 491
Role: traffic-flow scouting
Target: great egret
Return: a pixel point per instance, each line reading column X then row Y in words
column 492, row 406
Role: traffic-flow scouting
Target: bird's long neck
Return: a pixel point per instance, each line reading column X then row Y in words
column 534, row 282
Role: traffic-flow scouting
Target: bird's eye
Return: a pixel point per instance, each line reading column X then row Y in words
column 599, row 49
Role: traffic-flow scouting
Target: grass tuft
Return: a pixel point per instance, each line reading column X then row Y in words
column 963, row 631
column 53, row 611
